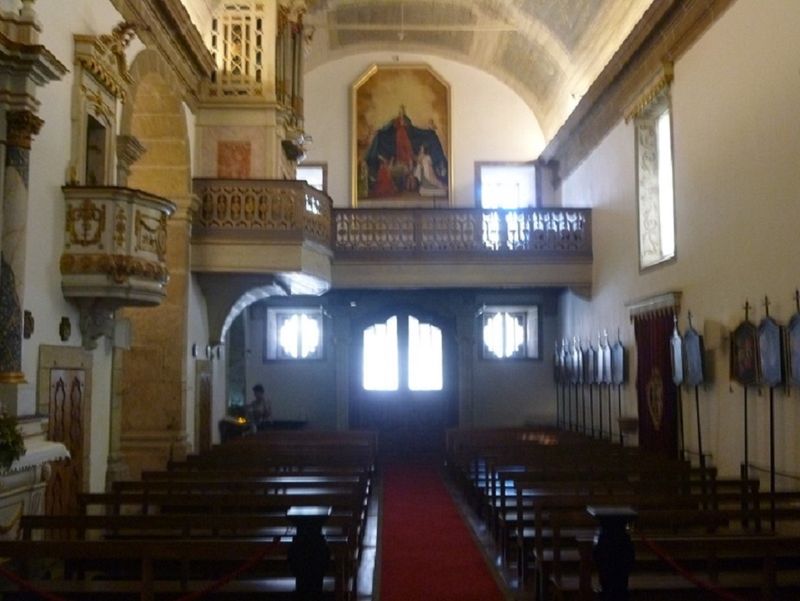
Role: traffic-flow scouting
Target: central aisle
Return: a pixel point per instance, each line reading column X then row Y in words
column 427, row 553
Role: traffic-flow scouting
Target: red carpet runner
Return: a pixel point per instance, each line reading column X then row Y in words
column 427, row 553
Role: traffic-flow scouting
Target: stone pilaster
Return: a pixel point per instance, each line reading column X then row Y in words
column 21, row 127
column 117, row 468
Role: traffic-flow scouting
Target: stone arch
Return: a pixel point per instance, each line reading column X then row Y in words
column 154, row 378
column 154, row 113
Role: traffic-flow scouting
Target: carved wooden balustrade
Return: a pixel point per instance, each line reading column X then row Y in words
column 565, row 233
column 286, row 211
column 273, row 210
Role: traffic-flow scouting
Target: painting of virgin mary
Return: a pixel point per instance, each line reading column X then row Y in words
column 401, row 118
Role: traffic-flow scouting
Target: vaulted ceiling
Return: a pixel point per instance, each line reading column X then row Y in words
column 548, row 51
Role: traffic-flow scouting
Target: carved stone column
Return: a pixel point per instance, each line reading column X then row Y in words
column 21, row 127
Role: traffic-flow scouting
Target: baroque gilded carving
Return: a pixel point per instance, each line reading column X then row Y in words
column 118, row 267
column 86, row 224
column 120, row 228
column 104, row 57
column 22, row 126
column 151, row 234
column 247, row 207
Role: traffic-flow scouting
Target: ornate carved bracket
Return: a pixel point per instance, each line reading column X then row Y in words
column 104, row 58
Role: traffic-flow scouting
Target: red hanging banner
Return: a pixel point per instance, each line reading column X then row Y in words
column 657, row 394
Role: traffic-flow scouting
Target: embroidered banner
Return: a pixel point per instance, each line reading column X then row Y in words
column 657, row 394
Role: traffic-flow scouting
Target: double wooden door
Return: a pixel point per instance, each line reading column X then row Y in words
column 403, row 381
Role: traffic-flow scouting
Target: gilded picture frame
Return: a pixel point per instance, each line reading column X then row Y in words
column 401, row 138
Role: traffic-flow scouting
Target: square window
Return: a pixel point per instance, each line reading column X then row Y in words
column 294, row 333
column 505, row 185
column 510, row 332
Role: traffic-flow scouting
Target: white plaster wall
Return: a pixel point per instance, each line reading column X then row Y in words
column 489, row 121
column 737, row 188
column 49, row 160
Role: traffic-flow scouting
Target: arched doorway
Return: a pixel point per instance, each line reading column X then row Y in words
column 404, row 379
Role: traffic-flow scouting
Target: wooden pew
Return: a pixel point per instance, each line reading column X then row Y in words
column 768, row 566
column 340, row 531
column 151, row 569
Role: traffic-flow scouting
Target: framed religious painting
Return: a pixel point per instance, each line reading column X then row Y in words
column 693, row 357
column 569, row 362
column 744, row 354
column 401, row 138
column 793, row 349
column 770, row 352
column 599, row 377
column 605, row 359
column 589, row 371
column 676, row 356
column 577, row 362
column 618, row 363
column 557, row 366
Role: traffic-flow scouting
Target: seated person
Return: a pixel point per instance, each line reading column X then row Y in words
column 259, row 410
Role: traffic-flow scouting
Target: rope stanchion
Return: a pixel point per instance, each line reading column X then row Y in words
column 684, row 573
column 24, row 585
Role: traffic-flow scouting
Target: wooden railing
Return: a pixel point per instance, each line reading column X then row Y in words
column 272, row 209
column 279, row 210
column 563, row 232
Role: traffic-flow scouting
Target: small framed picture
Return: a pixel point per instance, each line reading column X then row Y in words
column 744, row 354
column 693, row 352
column 618, row 363
column 793, row 349
column 589, row 369
column 676, row 356
column 770, row 352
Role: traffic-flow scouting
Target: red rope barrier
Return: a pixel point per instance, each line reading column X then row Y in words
column 214, row 586
column 27, row 586
column 683, row 572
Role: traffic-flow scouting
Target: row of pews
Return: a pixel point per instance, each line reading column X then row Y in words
column 577, row 518
column 253, row 518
